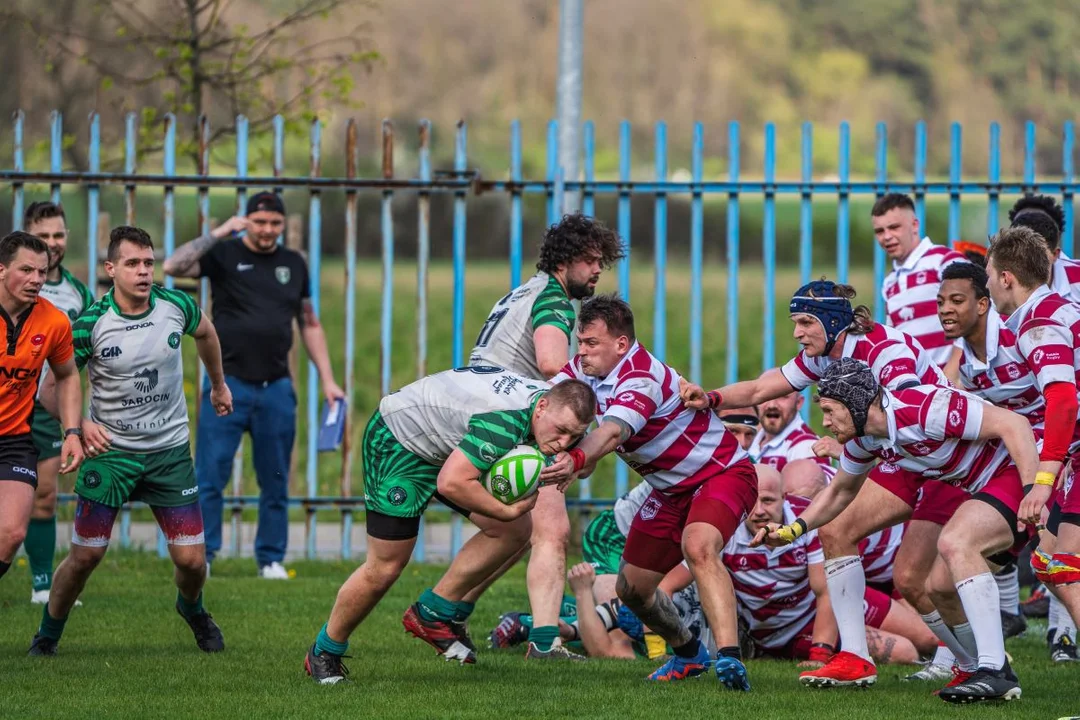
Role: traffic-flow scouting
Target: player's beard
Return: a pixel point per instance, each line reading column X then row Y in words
column 55, row 258
column 580, row 291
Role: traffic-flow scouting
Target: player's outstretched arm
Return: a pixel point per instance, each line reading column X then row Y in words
column 594, row 635
column 209, row 348
column 69, row 404
column 459, row 482
column 825, row 506
column 769, row 385
column 582, row 459
column 184, row 262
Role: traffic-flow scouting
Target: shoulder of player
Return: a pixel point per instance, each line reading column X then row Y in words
column 178, row 298
column 942, row 255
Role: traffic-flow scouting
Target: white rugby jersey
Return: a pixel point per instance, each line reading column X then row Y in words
column 1065, row 277
column 135, row 369
column 795, row 442
column 71, row 296
column 933, row 432
column 878, row 553
column 895, row 357
column 910, row 293
column 1005, row 379
column 675, row 449
column 772, row 585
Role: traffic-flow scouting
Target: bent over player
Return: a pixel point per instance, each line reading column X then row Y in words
column 136, row 435
column 435, row 438
column 36, row 333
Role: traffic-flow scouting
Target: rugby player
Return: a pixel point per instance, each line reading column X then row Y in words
column 923, row 434
column 136, row 435
column 37, row 333
column 435, row 438
column 785, row 440
column 46, row 220
column 702, row 485
column 528, row 332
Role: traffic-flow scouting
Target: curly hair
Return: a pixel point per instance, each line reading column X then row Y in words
column 1042, row 214
column 575, row 235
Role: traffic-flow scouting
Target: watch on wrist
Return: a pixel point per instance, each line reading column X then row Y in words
column 73, row 431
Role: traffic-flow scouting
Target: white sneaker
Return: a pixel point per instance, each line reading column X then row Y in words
column 273, row 571
column 41, row 597
column 933, row 672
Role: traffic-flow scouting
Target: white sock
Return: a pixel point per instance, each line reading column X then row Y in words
column 1061, row 620
column 1008, row 585
column 952, row 651
column 1052, row 616
column 847, row 586
column 980, row 598
column 971, row 651
column 944, row 656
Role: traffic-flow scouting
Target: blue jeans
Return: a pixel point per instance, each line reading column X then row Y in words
column 268, row 412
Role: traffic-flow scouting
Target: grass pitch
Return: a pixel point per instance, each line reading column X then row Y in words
column 126, row 653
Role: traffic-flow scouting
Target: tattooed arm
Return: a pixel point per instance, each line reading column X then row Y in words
column 184, row 262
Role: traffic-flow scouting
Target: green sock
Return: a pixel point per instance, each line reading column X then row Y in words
column 543, row 637
column 434, row 607
column 464, row 610
column 50, row 626
column 190, row 609
column 325, row 643
column 40, row 544
column 569, row 607
column 526, row 620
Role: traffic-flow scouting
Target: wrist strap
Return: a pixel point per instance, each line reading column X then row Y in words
column 1044, row 477
column 715, row 398
column 578, row 456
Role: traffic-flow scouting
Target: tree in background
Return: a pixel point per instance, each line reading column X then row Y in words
column 194, row 57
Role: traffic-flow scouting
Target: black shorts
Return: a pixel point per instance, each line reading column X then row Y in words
column 18, row 459
column 387, row 527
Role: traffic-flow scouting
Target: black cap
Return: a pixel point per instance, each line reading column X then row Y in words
column 267, row 201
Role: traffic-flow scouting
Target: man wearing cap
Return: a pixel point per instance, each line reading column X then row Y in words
column 923, row 435
column 258, row 287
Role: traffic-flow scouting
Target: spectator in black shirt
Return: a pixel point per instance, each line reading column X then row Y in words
column 258, row 288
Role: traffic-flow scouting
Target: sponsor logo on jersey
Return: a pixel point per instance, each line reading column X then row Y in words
column 488, row 453
column 283, row 274
column 799, row 555
column 139, row 326
column 92, row 479
column 244, row 267
column 1037, row 356
column 907, row 313
column 955, row 419
column 38, row 339
column 396, row 495
column 174, row 340
column 19, row 470
column 73, row 314
column 146, row 379
column 18, row 373
column 1012, row 371
column 111, row 352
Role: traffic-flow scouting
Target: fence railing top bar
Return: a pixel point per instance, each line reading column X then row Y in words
column 473, row 181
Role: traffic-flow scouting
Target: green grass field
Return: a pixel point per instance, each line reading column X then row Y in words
column 126, row 653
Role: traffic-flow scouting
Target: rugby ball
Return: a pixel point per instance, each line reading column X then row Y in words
column 516, row 475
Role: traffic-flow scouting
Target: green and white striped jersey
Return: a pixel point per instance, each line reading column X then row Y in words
column 135, row 369
column 485, row 411
column 506, row 340
column 68, row 293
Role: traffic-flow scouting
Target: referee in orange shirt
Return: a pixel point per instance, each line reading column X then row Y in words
column 36, row 332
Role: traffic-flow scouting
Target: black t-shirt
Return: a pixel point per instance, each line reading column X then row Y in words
column 256, row 296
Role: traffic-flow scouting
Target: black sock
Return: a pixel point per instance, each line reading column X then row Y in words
column 688, row 650
column 731, row 652
column 4, row 568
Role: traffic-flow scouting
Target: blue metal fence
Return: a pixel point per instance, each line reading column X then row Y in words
column 462, row 182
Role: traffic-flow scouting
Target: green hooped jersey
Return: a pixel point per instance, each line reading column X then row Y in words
column 70, row 295
column 135, row 369
column 485, row 411
column 506, row 340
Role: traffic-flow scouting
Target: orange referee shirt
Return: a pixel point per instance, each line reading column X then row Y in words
column 41, row 333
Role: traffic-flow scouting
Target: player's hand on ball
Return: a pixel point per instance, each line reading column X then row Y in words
column 1031, row 507
column 560, row 472
column 71, row 454
column 768, row 536
column 221, row 399
column 828, row 447
column 95, row 438
column 581, row 577
column 693, row 396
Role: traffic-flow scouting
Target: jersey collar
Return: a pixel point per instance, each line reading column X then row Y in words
column 972, row 364
column 111, row 302
column 1017, row 318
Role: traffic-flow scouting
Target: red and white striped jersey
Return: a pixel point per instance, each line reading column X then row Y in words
column 772, row 585
column 879, row 553
column 675, row 449
column 933, row 431
column 795, row 442
column 910, row 293
column 1065, row 277
column 1005, row 379
column 895, row 357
